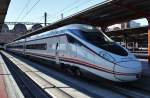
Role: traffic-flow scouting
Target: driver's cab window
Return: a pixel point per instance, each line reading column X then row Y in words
column 72, row 40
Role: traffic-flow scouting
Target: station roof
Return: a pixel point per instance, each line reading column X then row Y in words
column 132, row 34
column 3, row 11
column 128, row 31
column 104, row 14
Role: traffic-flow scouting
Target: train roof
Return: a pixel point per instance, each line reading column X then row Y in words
column 54, row 32
column 78, row 26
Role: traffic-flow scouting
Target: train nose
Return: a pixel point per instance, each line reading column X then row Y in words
column 128, row 70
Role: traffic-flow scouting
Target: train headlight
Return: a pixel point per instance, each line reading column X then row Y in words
column 107, row 56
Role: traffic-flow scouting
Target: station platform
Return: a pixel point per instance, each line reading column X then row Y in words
column 8, row 86
column 3, row 92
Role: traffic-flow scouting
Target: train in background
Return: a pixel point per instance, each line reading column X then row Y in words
column 81, row 47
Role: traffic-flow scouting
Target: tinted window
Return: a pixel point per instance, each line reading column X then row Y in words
column 16, row 46
column 100, row 40
column 73, row 40
column 70, row 39
column 42, row 46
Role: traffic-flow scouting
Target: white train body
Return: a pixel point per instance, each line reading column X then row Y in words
column 85, row 47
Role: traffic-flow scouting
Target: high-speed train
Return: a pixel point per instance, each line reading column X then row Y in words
column 81, row 47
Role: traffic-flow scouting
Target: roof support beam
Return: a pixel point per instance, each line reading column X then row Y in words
column 132, row 8
column 148, row 39
column 139, row 13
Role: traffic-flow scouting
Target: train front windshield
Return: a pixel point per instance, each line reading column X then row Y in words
column 100, row 40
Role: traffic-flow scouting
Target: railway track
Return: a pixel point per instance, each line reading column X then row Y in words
column 70, row 87
column 129, row 90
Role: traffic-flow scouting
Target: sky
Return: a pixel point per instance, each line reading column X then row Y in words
column 33, row 10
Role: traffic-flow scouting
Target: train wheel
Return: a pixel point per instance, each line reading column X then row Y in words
column 77, row 72
column 62, row 66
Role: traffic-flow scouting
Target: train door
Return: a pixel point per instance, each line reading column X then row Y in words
column 57, row 53
column 63, row 50
column 24, row 46
column 72, row 49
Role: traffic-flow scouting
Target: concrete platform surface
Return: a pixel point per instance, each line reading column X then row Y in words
column 8, row 86
column 3, row 93
column 52, row 86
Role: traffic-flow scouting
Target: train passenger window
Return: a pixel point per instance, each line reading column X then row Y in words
column 42, row 46
column 16, row 46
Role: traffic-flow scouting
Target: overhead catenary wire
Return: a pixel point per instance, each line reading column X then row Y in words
column 29, row 11
column 83, row 3
column 37, row 18
column 68, row 9
column 22, row 11
column 64, row 9
column 59, row 12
